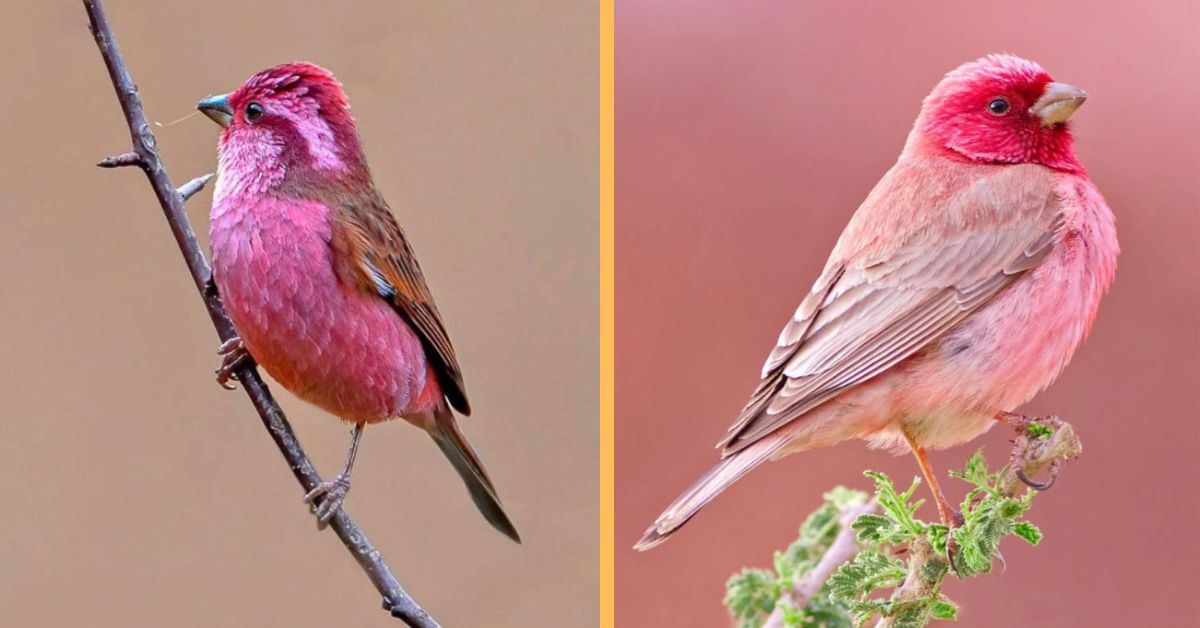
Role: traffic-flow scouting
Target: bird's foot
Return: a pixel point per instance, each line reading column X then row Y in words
column 1055, row 468
column 1032, row 432
column 1037, row 427
column 331, row 494
column 233, row 356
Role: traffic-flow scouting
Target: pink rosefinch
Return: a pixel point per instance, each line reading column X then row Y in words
column 959, row 290
column 320, row 281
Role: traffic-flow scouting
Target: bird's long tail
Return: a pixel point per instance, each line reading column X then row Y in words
column 445, row 432
column 709, row 485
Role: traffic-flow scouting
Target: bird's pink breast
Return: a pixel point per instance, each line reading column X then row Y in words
column 995, row 360
column 1017, row 345
column 345, row 351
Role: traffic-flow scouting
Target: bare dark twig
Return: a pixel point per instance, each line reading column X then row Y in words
column 120, row 161
column 145, row 155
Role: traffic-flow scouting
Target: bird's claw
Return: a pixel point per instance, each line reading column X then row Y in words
column 1025, row 442
column 1055, row 467
column 233, row 356
column 331, row 494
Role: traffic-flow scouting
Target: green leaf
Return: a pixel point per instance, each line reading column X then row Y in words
column 895, row 505
column 938, row 534
column 792, row 616
column 1028, row 531
column 874, row 529
column 864, row 610
column 934, row 569
column 750, row 596
column 868, row 571
column 943, row 609
column 822, row 612
column 911, row 613
column 975, row 470
column 1038, row 430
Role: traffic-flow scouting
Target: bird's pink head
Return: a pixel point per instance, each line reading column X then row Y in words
column 1002, row 109
column 289, row 122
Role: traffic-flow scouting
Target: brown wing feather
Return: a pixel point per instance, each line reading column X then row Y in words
column 867, row 313
column 371, row 252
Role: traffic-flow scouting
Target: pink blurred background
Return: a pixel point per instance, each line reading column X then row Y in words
column 747, row 133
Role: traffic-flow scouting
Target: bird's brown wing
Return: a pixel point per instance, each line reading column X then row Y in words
column 371, row 252
column 878, row 303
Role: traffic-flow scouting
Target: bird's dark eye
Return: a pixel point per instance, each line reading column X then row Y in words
column 998, row 106
column 254, row 111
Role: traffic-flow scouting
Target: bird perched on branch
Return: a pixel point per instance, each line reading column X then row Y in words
column 320, row 281
column 960, row 288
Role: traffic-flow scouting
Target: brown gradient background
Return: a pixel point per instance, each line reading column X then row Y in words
column 747, row 133
column 135, row 491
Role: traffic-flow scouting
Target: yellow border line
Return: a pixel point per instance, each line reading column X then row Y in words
column 607, row 299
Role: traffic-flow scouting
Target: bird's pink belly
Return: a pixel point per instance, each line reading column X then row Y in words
column 1024, row 339
column 1000, row 357
column 342, row 350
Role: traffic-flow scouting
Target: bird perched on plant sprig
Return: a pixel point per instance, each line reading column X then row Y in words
column 319, row 280
column 960, row 289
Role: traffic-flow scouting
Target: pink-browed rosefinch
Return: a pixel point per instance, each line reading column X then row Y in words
column 320, row 281
column 959, row 290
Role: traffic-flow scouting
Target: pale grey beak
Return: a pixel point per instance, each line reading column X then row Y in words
column 217, row 108
column 1057, row 103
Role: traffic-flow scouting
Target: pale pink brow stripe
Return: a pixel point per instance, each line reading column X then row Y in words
column 318, row 136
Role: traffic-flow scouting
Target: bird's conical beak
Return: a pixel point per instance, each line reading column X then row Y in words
column 217, row 108
column 1057, row 103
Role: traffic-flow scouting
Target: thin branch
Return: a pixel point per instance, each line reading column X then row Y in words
column 919, row 583
column 844, row 547
column 145, row 155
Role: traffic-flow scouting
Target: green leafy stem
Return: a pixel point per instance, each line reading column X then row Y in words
column 859, row 557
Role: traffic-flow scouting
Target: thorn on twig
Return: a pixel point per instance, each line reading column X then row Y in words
column 122, row 160
column 189, row 189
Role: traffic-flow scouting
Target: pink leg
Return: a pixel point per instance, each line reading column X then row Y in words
column 947, row 512
column 333, row 492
